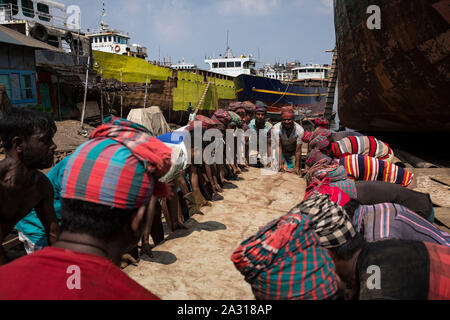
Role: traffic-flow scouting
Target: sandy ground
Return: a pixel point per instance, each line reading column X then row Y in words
column 195, row 264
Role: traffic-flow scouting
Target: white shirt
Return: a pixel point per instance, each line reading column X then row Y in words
column 288, row 144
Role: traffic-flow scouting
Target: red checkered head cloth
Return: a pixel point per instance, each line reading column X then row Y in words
column 315, row 156
column 322, row 122
column 118, row 167
column 204, row 122
column 248, row 106
column 320, row 142
column 222, row 116
column 307, row 136
column 234, row 106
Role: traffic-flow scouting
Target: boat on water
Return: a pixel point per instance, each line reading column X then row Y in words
column 306, row 91
column 396, row 78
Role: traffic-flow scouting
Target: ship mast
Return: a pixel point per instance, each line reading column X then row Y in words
column 103, row 25
column 228, row 53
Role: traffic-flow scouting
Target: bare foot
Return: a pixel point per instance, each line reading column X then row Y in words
column 146, row 249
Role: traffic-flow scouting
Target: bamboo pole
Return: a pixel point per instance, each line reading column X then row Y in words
column 121, row 94
column 145, row 98
column 85, row 93
column 101, row 93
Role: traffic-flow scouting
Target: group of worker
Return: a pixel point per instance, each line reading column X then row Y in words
column 359, row 233
column 95, row 206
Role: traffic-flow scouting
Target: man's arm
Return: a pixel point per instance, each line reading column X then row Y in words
column 298, row 159
column 46, row 212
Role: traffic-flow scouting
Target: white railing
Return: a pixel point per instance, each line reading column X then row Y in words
column 11, row 12
column 5, row 12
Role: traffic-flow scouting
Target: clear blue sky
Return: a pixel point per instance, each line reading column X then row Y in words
column 282, row 30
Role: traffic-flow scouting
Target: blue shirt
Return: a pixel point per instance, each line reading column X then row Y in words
column 31, row 226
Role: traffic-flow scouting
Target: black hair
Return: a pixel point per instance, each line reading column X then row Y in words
column 346, row 251
column 23, row 122
column 99, row 221
column 351, row 206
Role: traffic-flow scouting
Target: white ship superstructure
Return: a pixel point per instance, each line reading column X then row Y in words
column 115, row 41
column 232, row 66
column 311, row 71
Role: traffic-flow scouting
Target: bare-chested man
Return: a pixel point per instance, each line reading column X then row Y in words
column 27, row 137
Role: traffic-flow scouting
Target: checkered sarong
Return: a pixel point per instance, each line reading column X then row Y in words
column 284, row 260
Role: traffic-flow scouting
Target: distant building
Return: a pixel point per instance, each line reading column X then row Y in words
column 18, row 66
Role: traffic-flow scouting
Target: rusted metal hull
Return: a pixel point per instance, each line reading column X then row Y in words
column 396, row 79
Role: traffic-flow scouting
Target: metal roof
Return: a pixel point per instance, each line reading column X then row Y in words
column 10, row 36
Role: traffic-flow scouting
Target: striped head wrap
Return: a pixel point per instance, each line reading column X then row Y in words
column 222, row 116
column 320, row 142
column 364, row 168
column 118, row 167
column 284, row 260
column 138, row 139
column 330, row 221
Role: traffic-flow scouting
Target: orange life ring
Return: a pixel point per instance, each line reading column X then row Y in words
column 117, row 48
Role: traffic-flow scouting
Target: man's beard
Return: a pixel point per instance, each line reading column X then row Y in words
column 39, row 163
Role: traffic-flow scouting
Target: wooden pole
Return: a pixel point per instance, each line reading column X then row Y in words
column 85, row 93
column 145, row 98
column 101, row 93
column 121, row 95
column 58, row 88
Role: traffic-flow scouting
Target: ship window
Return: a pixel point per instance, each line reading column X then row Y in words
column 123, row 41
column 13, row 3
column 230, row 64
column 215, row 65
column 109, row 38
column 43, row 8
column 116, row 39
column 27, row 8
column 237, row 64
column 318, row 70
column 221, row 64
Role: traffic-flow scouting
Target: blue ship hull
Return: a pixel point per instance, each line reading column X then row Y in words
column 275, row 93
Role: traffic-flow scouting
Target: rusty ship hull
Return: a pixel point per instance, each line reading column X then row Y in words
column 394, row 79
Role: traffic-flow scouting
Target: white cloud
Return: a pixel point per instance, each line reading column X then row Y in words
column 247, row 7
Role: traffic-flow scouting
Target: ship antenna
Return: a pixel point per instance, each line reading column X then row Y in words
column 103, row 24
column 228, row 53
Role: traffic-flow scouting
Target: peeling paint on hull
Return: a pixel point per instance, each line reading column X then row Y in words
column 396, row 78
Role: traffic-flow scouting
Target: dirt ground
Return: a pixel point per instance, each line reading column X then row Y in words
column 195, row 264
column 67, row 137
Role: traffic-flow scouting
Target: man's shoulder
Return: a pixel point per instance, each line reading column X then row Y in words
column 101, row 279
column 299, row 127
